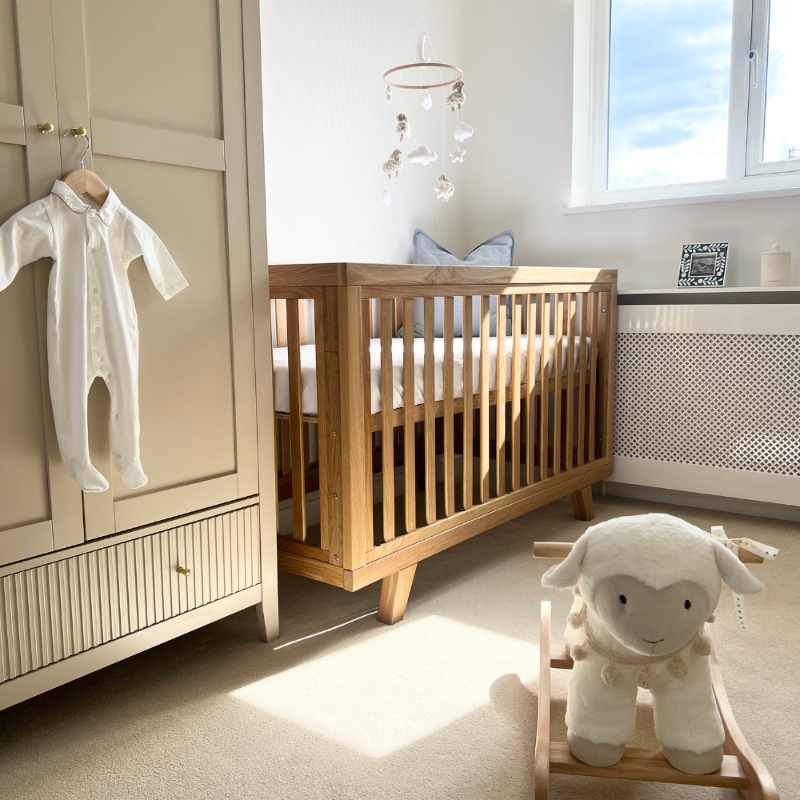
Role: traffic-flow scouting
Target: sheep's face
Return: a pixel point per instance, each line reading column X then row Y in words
column 651, row 621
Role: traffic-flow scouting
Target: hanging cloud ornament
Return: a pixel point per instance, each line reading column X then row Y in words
column 386, row 198
column 388, row 94
column 425, row 101
column 422, row 155
column 463, row 132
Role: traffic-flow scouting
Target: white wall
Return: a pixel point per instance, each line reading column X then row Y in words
column 329, row 130
column 519, row 88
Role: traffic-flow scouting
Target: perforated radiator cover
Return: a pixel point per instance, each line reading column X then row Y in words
column 715, row 400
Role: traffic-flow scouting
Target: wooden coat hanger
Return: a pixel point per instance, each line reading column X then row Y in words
column 84, row 181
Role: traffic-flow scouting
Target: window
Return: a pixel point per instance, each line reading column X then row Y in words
column 684, row 99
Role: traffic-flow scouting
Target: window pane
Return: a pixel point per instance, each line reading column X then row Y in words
column 782, row 124
column 669, row 81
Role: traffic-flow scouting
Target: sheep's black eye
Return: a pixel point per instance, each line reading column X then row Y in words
column 687, row 605
column 623, row 599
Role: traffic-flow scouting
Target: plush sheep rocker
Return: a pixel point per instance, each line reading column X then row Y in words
column 644, row 587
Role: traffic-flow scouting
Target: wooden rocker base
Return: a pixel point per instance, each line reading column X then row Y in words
column 741, row 768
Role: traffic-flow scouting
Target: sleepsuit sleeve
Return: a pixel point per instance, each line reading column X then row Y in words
column 25, row 237
column 141, row 240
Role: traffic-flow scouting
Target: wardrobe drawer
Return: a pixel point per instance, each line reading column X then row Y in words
column 60, row 609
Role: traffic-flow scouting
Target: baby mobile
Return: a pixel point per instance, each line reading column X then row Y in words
column 432, row 75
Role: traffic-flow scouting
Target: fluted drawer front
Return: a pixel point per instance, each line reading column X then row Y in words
column 60, row 609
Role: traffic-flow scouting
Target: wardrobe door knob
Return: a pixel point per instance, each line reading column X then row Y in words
column 183, row 571
column 45, row 127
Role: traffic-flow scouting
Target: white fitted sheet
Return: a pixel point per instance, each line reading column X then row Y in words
column 308, row 367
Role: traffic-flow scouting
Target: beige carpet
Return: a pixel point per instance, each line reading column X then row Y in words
column 442, row 705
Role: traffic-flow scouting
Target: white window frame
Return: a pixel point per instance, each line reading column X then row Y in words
column 746, row 176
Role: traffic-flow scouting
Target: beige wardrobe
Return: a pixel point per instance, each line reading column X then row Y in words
column 170, row 94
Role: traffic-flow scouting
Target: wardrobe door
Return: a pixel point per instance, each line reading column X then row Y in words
column 40, row 507
column 159, row 86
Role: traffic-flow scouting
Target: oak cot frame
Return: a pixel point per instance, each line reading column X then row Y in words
column 554, row 448
column 741, row 768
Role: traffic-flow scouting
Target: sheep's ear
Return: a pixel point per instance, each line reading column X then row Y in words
column 734, row 573
column 568, row 572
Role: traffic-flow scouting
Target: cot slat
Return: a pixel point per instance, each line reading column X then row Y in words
column 544, row 397
column 466, row 322
column 301, row 316
column 530, row 386
column 325, row 457
column 516, row 377
column 603, row 337
column 296, row 422
column 387, row 430
column 581, row 376
column 570, row 434
column 366, row 336
column 592, row 410
column 281, row 341
column 449, row 444
column 484, row 386
column 408, row 415
column 500, row 408
column 430, row 413
column 558, row 383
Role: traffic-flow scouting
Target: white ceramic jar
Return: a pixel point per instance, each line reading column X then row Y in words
column 776, row 266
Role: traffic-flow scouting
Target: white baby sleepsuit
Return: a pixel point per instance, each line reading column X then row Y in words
column 92, row 328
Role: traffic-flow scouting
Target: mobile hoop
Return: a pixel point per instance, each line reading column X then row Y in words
column 459, row 75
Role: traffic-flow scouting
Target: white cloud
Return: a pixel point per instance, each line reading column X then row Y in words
column 422, row 155
column 426, row 101
column 386, row 198
column 463, row 131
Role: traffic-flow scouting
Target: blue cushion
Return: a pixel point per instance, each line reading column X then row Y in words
column 495, row 252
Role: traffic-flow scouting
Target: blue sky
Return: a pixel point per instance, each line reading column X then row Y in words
column 669, row 85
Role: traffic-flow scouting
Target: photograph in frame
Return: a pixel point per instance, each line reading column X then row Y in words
column 703, row 264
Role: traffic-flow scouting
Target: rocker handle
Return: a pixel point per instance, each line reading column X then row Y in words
column 560, row 550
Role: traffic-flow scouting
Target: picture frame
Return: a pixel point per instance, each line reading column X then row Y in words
column 703, row 264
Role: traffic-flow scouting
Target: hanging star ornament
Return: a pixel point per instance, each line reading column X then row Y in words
column 458, row 155
column 444, row 191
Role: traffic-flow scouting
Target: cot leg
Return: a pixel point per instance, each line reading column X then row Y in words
column 582, row 505
column 394, row 595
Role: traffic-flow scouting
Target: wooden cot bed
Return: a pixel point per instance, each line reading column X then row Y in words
column 441, row 470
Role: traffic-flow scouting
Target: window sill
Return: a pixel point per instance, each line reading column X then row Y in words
column 765, row 194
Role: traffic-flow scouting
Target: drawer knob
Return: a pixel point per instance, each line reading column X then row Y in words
column 183, row 571
column 46, row 127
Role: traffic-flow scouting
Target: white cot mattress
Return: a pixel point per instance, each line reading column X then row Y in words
column 308, row 369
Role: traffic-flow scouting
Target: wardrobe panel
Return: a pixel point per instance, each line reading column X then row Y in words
column 186, row 371
column 40, row 510
column 9, row 69
column 23, row 454
column 161, row 65
column 161, row 92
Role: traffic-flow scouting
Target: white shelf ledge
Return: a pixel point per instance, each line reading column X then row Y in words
column 711, row 290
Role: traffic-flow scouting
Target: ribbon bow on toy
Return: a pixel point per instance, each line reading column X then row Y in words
column 756, row 548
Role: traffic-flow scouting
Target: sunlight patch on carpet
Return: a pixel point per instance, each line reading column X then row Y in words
column 383, row 694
